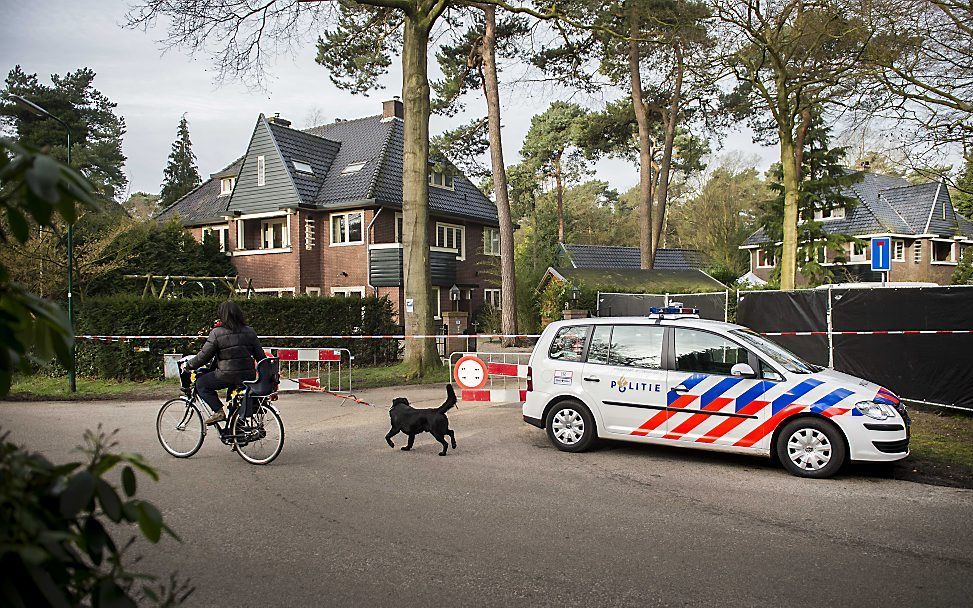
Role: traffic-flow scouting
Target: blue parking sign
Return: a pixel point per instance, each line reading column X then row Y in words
column 881, row 253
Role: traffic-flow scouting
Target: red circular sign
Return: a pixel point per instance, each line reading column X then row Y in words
column 470, row 372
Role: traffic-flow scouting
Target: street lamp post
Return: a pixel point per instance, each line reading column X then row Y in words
column 35, row 109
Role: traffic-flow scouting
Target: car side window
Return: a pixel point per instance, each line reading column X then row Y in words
column 636, row 346
column 568, row 343
column 600, row 343
column 703, row 352
column 768, row 373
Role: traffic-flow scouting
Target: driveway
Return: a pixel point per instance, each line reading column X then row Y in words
column 342, row 519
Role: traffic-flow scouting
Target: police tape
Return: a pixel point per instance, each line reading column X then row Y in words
column 877, row 332
column 320, row 337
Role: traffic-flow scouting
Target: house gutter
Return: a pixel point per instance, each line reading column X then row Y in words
column 368, row 243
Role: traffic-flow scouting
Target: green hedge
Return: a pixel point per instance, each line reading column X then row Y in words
column 129, row 315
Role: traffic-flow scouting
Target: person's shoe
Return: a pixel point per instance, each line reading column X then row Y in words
column 219, row 416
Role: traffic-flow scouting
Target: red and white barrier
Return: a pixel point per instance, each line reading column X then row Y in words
column 474, row 385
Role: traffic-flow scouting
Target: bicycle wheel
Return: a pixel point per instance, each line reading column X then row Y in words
column 259, row 438
column 180, row 427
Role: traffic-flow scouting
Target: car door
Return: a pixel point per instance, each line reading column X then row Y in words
column 624, row 375
column 707, row 403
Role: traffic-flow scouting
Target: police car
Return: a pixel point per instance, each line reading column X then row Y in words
column 675, row 379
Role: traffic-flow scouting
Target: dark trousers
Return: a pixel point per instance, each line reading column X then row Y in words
column 208, row 384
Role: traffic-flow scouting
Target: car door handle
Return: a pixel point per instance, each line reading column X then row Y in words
column 680, row 389
column 592, row 379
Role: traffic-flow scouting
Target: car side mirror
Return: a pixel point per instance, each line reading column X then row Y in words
column 743, row 370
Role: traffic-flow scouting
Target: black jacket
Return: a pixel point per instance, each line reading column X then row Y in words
column 235, row 352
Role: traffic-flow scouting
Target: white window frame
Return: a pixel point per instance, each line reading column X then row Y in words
column 898, row 250
column 952, row 253
column 441, row 177
column 763, row 256
column 224, row 190
column 222, row 234
column 310, row 232
column 488, row 234
column 313, row 291
column 352, row 168
column 835, row 213
column 347, row 232
column 857, row 258
column 461, row 250
column 399, row 227
column 302, row 166
column 261, row 171
column 285, row 237
column 490, row 294
column 347, row 291
column 438, row 303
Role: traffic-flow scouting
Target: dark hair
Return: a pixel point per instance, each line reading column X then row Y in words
column 231, row 316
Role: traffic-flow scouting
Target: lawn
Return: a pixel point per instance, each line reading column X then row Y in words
column 392, row 375
column 942, row 438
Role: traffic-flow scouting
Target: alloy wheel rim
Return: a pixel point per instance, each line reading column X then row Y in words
column 809, row 449
column 568, row 426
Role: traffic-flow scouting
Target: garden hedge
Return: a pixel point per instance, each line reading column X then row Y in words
column 142, row 359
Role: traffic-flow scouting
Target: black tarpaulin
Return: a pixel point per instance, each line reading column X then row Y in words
column 710, row 305
column 786, row 311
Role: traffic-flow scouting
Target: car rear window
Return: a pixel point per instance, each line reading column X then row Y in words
column 569, row 343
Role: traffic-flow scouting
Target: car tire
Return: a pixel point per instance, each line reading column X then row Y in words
column 811, row 447
column 570, row 426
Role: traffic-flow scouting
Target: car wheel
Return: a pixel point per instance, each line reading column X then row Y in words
column 570, row 426
column 809, row 447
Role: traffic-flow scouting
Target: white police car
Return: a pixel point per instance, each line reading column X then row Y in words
column 672, row 378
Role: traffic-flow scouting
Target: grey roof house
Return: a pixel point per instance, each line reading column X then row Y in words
column 615, row 257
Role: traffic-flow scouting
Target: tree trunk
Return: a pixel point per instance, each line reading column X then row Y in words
column 646, row 250
column 559, row 194
column 788, row 161
column 665, row 165
column 491, row 89
column 420, row 354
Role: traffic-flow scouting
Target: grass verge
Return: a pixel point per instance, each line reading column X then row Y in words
column 45, row 388
column 393, row 375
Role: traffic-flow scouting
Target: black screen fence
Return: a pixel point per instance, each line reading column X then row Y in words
column 710, row 305
column 915, row 341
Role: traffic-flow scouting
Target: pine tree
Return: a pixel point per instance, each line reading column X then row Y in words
column 181, row 175
column 825, row 179
column 963, row 195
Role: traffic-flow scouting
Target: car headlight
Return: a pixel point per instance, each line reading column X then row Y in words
column 878, row 411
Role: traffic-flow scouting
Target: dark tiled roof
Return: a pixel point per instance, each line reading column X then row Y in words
column 635, row 280
column 888, row 204
column 609, row 256
column 965, row 226
column 204, row 205
column 318, row 152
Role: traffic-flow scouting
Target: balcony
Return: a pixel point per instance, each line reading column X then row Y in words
column 385, row 265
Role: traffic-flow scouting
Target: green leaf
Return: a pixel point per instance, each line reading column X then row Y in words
column 110, row 595
column 109, row 500
column 18, row 224
column 78, row 494
column 128, row 481
column 95, row 537
column 150, row 521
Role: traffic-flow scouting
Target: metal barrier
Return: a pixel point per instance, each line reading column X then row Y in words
column 506, row 376
column 314, row 368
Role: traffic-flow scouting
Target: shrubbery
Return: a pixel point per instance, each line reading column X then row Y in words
column 129, row 315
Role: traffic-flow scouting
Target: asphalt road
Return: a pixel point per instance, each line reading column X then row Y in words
column 340, row 519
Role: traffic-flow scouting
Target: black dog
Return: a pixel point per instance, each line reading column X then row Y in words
column 411, row 421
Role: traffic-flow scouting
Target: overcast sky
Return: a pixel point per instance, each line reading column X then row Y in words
column 153, row 90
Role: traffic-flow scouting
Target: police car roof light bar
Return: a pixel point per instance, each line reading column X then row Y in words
column 673, row 311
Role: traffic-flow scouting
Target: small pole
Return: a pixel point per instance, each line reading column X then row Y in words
column 72, row 373
column 830, row 333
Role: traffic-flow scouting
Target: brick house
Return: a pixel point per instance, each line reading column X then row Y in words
column 318, row 212
column 928, row 235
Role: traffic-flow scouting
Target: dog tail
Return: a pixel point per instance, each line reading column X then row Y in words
column 450, row 400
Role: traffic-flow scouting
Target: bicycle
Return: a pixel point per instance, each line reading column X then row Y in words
column 254, row 427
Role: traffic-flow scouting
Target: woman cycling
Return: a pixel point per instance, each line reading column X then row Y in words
column 236, row 349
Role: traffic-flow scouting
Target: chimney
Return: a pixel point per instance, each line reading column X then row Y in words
column 392, row 108
column 277, row 120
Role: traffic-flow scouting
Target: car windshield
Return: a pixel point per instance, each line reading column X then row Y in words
column 778, row 353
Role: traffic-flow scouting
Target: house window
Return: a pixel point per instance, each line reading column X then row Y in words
column 766, row 259
column 348, row 292
column 346, row 228
column 857, row 253
column 492, row 297
column 439, row 179
column 491, row 241
column 452, row 237
column 309, row 233
column 314, row 291
column 943, row 252
column 437, row 303
column 835, row 213
column 222, row 235
column 226, row 185
column 822, row 253
column 261, row 171
column 898, row 250
column 273, row 234
column 398, row 227
column 303, row 167
column 352, row 168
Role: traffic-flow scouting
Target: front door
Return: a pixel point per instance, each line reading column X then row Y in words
column 708, row 404
column 624, row 376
